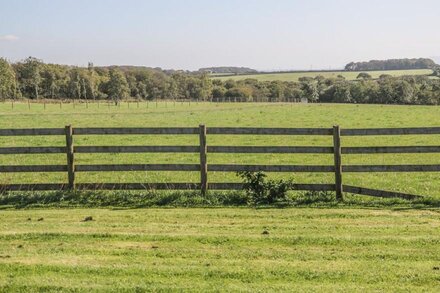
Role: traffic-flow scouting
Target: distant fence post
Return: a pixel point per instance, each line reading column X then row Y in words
column 70, row 157
column 338, row 161
column 203, row 161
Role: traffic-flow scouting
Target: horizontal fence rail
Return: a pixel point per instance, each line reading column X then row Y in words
column 33, row 131
column 138, row 131
column 136, row 149
column 390, row 131
column 31, row 150
column 391, row 150
column 269, row 131
column 203, row 148
column 137, row 167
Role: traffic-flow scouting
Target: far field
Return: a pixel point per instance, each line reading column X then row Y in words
column 206, row 250
column 294, row 76
column 225, row 114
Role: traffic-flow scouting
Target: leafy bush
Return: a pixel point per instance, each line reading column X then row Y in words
column 261, row 191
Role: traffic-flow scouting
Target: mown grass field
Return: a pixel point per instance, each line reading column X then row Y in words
column 221, row 249
column 226, row 114
column 303, row 250
column 349, row 75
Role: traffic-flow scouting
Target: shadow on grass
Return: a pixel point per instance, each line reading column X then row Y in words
column 145, row 199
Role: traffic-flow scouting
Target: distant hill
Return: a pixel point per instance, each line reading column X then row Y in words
column 128, row 68
column 228, row 70
column 392, row 64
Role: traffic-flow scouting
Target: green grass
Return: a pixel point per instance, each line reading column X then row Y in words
column 349, row 75
column 243, row 114
column 332, row 247
column 329, row 250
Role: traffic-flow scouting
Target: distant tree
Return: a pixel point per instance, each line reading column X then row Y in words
column 310, row 90
column 92, row 82
column 342, row 93
column 276, row 89
column 364, row 76
column 230, row 83
column 7, row 80
column 218, row 92
column 49, row 83
column 206, row 87
column 391, row 64
column 341, row 77
column 117, row 86
column 29, row 73
column 385, row 76
column 242, row 91
column 74, row 87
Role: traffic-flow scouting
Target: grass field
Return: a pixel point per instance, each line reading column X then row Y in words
column 325, row 250
column 243, row 114
column 221, row 249
column 349, row 75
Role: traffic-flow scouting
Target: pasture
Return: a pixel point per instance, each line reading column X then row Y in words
column 221, row 249
column 225, row 114
column 294, row 76
column 228, row 249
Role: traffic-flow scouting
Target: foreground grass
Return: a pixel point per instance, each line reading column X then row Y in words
column 228, row 115
column 349, row 75
column 351, row 250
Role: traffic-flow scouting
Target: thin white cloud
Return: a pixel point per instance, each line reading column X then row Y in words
column 9, row 38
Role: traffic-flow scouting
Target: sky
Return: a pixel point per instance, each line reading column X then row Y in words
column 189, row 34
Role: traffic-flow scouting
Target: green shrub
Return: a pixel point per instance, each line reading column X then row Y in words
column 260, row 191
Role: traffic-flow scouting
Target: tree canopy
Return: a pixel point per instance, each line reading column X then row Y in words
column 391, row 64
column 34, row 79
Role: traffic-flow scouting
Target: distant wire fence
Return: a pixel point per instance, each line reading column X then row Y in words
column 134, row 103
column 202, row 148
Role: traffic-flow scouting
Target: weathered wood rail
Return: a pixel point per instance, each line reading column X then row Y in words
column 203, row 148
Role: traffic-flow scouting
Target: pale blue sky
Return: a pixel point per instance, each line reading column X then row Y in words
column 188, row 34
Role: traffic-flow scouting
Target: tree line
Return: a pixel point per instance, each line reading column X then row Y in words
column 392, row 64
column 34, row 79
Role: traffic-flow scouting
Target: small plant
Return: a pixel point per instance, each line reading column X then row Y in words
column 261, row 191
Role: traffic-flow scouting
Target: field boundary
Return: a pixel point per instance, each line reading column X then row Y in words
column 203, row 167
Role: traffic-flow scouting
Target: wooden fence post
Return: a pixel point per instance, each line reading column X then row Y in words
column 203, row 161
column 70, row 157
column 338, row 161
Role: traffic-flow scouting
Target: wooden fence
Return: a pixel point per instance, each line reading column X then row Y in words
column 203, row 148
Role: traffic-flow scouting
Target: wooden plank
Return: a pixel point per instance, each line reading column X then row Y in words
column 31, row 150
column 269, row 131
column 378, row 193
column 136, row 149
column 31, row 131
column 125, row 130
column 32, row 187
column 203, row 160
column 32, row 168
column 138, row 186
column 70, row 156
column 390, row 131
column 338, row 162
column 391, row 168
column 299, row 187
column 270, row 168
column 314, row 187
column 271, row 149
column 391, row 150
column 137, row 167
